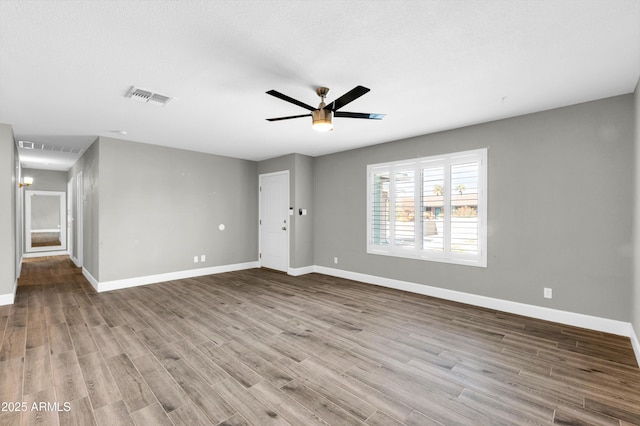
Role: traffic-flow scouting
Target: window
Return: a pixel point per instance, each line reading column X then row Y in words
column 432, row 208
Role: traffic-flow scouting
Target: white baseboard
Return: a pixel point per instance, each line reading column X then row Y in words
column 8, row 299
column 75, row 261
column 19, row 267
column 90, row 278
column 101, row 286
column 294, row 272
column 635, row 343
column 606, row 325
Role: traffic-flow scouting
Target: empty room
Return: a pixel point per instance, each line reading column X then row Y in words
column 389, row 212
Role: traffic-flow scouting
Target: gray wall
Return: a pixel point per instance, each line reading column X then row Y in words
column 88, row 164
column 635, row 321
column 47, row 180
column 301, row 228
column 18, row 201
column 72, row 238
column 159, row 207
column 560, row 203
column 8, row 185
column 303, row 255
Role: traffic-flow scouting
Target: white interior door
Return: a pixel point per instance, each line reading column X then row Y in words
column 274, row 221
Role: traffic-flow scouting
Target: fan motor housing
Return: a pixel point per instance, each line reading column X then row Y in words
column 321, row 115
column 322, row 119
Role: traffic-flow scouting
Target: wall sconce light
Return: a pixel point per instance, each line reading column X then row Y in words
column 26, row 181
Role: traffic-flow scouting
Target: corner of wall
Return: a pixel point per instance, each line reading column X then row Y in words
column 635, row 302
column 9, row 194
column 92, row 280
column 635, row 343
column 9, row 298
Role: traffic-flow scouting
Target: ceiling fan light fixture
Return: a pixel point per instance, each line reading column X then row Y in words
column 322, row 117
column 322, row 120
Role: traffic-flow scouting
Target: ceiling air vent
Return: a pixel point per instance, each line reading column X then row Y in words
column 48, row 147
column 146, row 96
column 158, row 99
column 26, row 145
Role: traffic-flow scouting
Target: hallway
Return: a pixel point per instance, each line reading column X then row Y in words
column 49, row 270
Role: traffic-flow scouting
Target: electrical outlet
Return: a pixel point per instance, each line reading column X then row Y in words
column 548, row 293
column 203, row 258
column 195, row 259
column 335, row 260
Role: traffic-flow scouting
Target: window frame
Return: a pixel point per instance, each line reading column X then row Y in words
column 417, row 251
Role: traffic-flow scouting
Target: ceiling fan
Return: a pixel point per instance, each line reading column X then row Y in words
column 323, row 115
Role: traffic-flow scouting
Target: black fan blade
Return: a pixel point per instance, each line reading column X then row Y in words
column 350, row 96
column 288, row 118
column 365, row 115
column 290, row 99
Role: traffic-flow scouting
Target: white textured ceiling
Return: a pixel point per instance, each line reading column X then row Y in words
column 65, row 67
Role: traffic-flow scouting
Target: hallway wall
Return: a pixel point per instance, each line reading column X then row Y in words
column 9, row 175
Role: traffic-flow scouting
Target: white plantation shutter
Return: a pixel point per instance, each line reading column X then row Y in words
column 379, row 208
column 431, row 208
column 404, row 224
column 464, row 207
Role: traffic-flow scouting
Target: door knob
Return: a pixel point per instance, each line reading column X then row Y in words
column 284, row 228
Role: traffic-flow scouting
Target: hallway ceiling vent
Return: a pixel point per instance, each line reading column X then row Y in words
column 146, row 96
column 47, row 147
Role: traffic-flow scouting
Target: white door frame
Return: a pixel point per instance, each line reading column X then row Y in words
column 50, row 250
column 70, row 218
column 288, row 224
column 19, row 230
column 79, row 219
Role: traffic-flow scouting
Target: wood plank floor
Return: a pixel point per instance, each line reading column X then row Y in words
column 259, row 347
